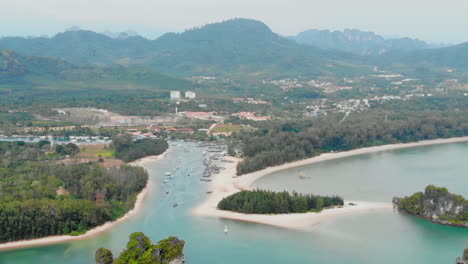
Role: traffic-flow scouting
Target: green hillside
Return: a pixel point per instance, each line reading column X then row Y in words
column 356, row 41
column 47, row 73
column 238, row 46
column 454, row 56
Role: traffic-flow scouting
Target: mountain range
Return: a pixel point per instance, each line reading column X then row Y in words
column 358, row 42
column 243, row 48
column 236, row 46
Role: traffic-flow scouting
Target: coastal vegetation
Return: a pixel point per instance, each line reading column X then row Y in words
column 13, row 154
column 41, row 197
column 129, row 150
column 436, row 204
column 269, row 202
column 278, row 142
column 140, row 250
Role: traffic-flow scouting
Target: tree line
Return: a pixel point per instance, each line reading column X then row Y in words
column 129, row 150
column 278, row 142
column 269, row 202
column 39, row 199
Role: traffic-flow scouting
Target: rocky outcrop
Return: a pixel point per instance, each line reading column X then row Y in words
column 436, row 204
column 464, row 258
column 140, row 250
column 104, row 256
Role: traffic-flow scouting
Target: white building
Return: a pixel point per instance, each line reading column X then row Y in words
column 175, row 95
column 190, row 95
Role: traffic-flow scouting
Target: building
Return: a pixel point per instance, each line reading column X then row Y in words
column 175, row 95
column 190, row 95
column 251, row 116
column 180, row 130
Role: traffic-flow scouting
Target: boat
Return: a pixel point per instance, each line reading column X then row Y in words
column 171, row 177
column 225, row 229
column 165, row 181
column 175, row 205
column 168, row 174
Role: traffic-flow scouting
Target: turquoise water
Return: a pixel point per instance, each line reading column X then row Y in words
column 374, row 237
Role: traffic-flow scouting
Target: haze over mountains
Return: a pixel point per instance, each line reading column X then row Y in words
column 36, row 71
column 356, row 41
column 237, row 46
column 242, row 47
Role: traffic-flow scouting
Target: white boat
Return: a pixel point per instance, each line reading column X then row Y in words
column 226, row 229
column 168, row 174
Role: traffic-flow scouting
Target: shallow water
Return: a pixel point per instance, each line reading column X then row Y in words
column 374, row 237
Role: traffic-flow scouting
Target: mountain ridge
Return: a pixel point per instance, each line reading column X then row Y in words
column 241, row 46
column 357, row 41
column 237, row 48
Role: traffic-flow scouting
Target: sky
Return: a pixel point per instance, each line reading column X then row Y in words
column 430, row 20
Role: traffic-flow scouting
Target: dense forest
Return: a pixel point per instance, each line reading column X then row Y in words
column 140, row 251
column 40, row 198
column 269, row 202
column 278, row 142
column 16, row 153
column 129, row 150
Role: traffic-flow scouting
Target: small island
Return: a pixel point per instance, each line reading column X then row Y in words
column 437, row 205
column 269, row 202
column 140, row 250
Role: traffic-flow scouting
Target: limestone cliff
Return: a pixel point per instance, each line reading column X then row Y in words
column 140, row 250
column 464, row 258
column 436, row 204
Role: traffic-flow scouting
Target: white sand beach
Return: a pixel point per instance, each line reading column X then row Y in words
column 50, row 240
column 227, row 183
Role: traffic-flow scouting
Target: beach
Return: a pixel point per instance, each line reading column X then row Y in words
column 50, row 240
column 227, row 183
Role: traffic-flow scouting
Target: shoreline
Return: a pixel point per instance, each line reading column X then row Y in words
column 227, row 183
column 57, row 239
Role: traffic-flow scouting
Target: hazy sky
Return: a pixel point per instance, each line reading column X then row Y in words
column 431, row 20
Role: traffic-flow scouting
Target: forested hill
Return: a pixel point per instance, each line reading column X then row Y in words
column 80, row 47
column 241, row 46
column 455, row 56
column 233, row 46
column 358, row 42
column 34, row 70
